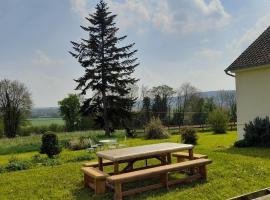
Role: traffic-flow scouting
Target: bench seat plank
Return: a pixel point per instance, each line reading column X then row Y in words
column 157, row 170
column 95, row 164
column 94, row 173
column 186, row 155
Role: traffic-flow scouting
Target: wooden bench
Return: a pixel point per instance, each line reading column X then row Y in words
column 181, row 156
column 95, row 164
column 162, row 172
column 95, row 179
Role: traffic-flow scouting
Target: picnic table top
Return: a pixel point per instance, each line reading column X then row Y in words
column 108, row 141
column 142, row 151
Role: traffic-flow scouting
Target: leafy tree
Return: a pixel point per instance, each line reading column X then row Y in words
column 209, row 104
column 15, row 105
column 162, row 100
column 199, row 116
column 1, row 127
column 146, row 109
column 184, row 95
column 108, row 68
column 70, row 111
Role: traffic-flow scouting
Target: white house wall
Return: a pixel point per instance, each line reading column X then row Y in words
column 253, row 95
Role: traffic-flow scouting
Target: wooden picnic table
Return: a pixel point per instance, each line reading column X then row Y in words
column 161, row 151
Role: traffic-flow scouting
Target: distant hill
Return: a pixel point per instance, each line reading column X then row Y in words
column 213, row 94
column 49, row 112
column 207, row 94
column 53, row 112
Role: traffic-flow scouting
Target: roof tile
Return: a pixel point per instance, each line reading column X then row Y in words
column 258, row 53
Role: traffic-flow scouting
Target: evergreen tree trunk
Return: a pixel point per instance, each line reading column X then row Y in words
column 105, row 116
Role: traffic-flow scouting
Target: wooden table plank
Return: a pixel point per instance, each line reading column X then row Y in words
column 142, row 151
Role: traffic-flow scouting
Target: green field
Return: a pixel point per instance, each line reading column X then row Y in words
column 46, row 121
column 233, row 171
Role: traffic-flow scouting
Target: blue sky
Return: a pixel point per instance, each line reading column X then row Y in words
column 178, row 41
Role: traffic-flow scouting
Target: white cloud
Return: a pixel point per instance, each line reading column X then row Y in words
column 139, row 13
column 79, row 6
column 41, row 58
column 209, row 54
column 185, row 16
column 251, row 34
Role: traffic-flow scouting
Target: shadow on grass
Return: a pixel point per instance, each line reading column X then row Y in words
column 82, row 193
column 259, row 152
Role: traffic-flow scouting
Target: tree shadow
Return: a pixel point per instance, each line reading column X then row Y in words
column 82, row 193
column 257, row 152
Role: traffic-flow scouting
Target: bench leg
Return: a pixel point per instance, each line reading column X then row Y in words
column 118, row 191
column 100, row 187
column 164, row 180
column 203, row 172
column 169, row 158
column 180, row 159
column 87, row 180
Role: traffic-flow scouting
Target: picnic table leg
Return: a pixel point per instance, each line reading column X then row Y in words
column 164, row 180
column 116, row 167
column 118, row 191
column 169, row 158
column 190, row 152
column 163, row 159
column 100, row 163
column 191, row 157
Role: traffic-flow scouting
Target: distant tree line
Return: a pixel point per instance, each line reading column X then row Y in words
column 182, row 106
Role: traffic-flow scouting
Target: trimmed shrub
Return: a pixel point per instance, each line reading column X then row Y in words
column 50, row 145
column 14, row 165
column 218, row 121
column 257, row 132
column 38, row 159
column 241, row 143
column 79, row 143
column 188, row 135
column 155, row 130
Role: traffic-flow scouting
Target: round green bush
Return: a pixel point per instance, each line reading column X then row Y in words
column 218, row 120
column 155, row 130
column 50, row 145
column 14, row 165
column 257, row 132
column 188, row 135
column 241, row 144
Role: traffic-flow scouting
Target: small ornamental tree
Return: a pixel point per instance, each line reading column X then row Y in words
column 50, row 145
column 218, row 120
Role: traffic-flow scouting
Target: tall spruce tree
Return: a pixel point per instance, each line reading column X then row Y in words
column 108, row 68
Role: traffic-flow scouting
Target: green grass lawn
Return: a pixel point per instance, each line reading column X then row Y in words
column 233, row 172
column 46, row 121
